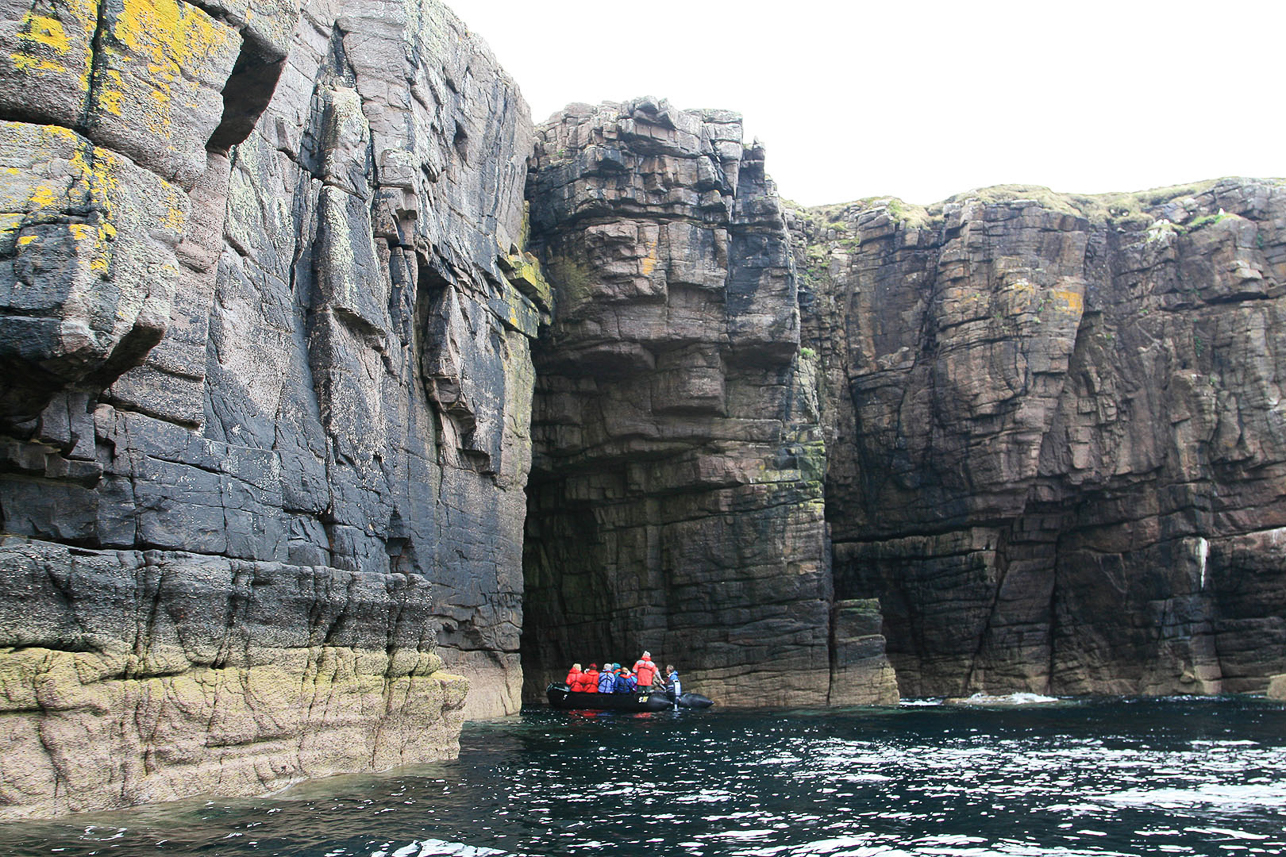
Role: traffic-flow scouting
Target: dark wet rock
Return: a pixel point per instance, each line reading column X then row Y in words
column 267, row 415
column 1054, row 434
column 268, row 351
column 675, row 503
column 860, row 670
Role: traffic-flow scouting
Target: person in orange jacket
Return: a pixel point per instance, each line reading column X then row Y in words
column 589, row 680
column 574, row 676
column 645, row 671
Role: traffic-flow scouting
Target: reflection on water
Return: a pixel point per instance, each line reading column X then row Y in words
column 987, row 777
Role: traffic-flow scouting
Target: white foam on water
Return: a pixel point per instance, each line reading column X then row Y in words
column 740, row 835
column 1016, row 849
column 919, row 703
column 1223, row 831
column 1011, row 699
column 935, row 846
column 711, row 796
column 867, row 778
column 89, row 834
column 439, row 848
column 1226, row 797
column 1225, row 743
column 950, row 840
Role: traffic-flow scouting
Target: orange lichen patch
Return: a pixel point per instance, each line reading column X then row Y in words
column 649, row 262
column 1075, row 302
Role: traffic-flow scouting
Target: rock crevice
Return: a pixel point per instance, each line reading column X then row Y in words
column 676, row 500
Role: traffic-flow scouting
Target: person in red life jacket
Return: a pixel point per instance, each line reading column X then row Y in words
column 645, row 671
column 589, row 680
column 574, row 676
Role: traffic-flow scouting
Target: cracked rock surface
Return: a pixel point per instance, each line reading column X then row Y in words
column 276, row 368
column 675, row 502
column 1057, row 444
column 264, row 333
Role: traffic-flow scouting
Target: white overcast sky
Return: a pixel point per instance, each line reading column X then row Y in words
column 925, row 99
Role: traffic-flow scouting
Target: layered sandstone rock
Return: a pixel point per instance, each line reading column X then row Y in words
column 1056, row 441
column 260, row 478
column 676, row 496
column 161, row 674
column 1277, row 688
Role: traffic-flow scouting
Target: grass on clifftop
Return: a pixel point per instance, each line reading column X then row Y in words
column 1124, row 209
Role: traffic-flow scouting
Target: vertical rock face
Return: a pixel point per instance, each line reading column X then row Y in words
column 266, row 411
column 372, row 257
column 1057, row 446
column 675, row 502
column 264, row 332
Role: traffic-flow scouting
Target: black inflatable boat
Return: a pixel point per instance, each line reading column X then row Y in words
column 561, row 696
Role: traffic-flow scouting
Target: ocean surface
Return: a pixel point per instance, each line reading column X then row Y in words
column 1023, row 776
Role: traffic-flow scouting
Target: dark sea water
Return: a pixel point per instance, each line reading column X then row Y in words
column 1075, row 778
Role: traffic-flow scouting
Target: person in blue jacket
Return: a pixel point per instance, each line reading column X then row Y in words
column 673, row 687
column 607, row 679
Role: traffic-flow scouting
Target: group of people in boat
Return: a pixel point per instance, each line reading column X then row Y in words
column 645, row 677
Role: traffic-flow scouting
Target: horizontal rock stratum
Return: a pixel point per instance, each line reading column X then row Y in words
column 339, row 405
column 1056, row 431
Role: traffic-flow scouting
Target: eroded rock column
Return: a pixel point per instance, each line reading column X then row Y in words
column 676, row 497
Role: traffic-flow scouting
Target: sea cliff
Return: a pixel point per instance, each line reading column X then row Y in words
column 1057, row 445
column 341, row 404
column 265, row 325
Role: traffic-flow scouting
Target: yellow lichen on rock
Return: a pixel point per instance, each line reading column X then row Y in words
column 1073, row 301
column 169, row 37
column 50, row 48
column 158, row 78
column 357, row 710
column 94, row 237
